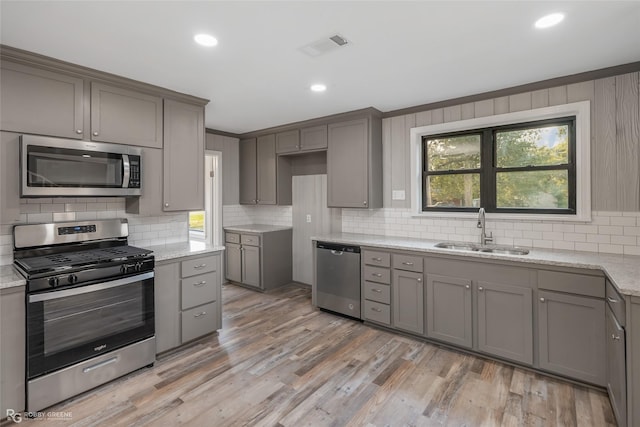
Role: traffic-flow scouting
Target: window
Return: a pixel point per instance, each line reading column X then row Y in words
column 516, row 168
column 531, row 164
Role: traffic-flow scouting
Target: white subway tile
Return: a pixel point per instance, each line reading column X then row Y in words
column 589, row 247
column 600, row 220
column 623, row 240
column 587, row 229
column 570, row 246
column 598, row 238
column 623, row 220
column 40, row 217
column 609, row 213
column 610, row 249
column 39, row 200
column 64, row 216
column 606, row 229
column 535, row 235
column 29, row 208
column 631, row 231
column 86, row 216
column 631, row 250
column 564, row 228
column 523, row 242
column 75, row 207
column 575, row 237
column 553, row 235
column 542, row 227
column 52, row 207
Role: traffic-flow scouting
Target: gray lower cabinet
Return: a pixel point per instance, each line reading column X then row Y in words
column 616, row 367
column 449, row 314
column 12, row 342
column 183, row 183
column 10, row 178
column 376, row 286
column 408, row 301
column 124, row 116
column 42, row 102
column 188, row 300
column 261, row 260
column 505, row 321
column 571, row 336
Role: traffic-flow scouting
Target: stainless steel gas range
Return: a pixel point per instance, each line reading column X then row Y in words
column 89, row 305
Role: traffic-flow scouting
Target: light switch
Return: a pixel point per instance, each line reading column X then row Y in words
column 397, row 195
column 308, row 218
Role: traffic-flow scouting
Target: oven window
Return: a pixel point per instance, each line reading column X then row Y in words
column 76, row 320
column 61, row 167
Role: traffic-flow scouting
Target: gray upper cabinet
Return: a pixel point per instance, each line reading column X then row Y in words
column 571, row 336
column 124, row 116
column 288, row 142
column 449, row 315
column 505, row 321
column 183, row 156
column 248, row 163
column 354, row 164
column 41, row 102
column 408, row 301
column 314, row 138
column 10, row 178
column 266, row 170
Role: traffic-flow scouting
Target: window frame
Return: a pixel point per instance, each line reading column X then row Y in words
column 580, row 202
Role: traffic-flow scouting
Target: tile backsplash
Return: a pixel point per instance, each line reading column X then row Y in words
column 143, row 230
column 260, row 214
column 608, row 232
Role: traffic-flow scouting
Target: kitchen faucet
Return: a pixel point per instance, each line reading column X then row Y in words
column 484, row 238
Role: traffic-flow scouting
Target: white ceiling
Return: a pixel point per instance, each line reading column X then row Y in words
column 400, row 54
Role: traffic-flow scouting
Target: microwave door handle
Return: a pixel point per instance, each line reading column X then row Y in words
column 126, row 165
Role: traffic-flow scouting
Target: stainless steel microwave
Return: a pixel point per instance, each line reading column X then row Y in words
column 54, row 167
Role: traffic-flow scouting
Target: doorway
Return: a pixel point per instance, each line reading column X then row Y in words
column 206, row 225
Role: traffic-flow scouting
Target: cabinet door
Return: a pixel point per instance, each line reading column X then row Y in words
column 266, row 169
column 408, row 297
column 571, row 336
column 248, row 163
column 41, row 102
column 347, row 165
column 167, row 306
column 505, row 321
column 12, row 342
column 287, row 142
column 125, row 116
column 9, row 178
column 616, row 368
column 313, row 138
column 183, row 156
column 251, row 265
column 233, row 256
column 150, row 201
column 449, row 310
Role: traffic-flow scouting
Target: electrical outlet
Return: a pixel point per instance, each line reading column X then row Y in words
column 397, row 195
column 308, row 218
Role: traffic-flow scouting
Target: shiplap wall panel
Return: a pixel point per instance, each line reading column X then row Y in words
column 437, row 116
column 410, row 122
column 399, row 141
column 540, row 98
column 558, row 95
column 501, row 105
column 604, row 187
column 520, row 102
column 627, row 136
column 452, row 114
column 483, row 108
column 468, row 111
column 230, row 165
column 386, row 162
column 423, row 118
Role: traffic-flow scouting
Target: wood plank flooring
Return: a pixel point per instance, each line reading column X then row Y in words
column 279, row 362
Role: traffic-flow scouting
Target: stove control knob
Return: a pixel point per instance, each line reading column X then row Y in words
column 72, row 278
column 138, row 266
column 123, row 269
column 53, row 282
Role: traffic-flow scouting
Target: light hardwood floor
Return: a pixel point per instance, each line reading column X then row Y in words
column 279, row 362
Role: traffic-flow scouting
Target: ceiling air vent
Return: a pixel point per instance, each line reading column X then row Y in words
column 325, row 45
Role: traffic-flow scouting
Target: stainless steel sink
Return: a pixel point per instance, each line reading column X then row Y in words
column 495, row 249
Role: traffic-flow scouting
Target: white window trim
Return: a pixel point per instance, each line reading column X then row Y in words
column 582, row 111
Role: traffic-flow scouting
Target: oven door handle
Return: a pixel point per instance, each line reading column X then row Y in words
column 47, row 296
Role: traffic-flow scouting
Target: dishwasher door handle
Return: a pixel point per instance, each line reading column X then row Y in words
column 338, row 253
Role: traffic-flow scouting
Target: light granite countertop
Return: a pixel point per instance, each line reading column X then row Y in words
column 9, row 276
column 622, row 270
column 256, row 228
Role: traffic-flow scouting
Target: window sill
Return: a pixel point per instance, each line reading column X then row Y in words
column 505, row 216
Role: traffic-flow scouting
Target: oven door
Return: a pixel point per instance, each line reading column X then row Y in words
column 54, row 167
column 71, row 325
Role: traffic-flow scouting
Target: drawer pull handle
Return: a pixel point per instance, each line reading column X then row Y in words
column 100, row 365
column 202, row 313
column 376, row 290
column 200, row 284
column 612, row 300
column 407, row 263
column 377, row 259
column 376, row 274
column 376, row 309
column 198, row 267
column 615, row 337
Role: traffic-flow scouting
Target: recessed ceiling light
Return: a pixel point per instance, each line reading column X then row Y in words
column 205, row 40
column 318, row 87
column 549, row 20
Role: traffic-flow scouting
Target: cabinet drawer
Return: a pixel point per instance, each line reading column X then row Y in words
column 617, row 304
column 199, row 289
column 377, row 312
column 572, row 283
column 200, row 265
column 199, row 321
column 232, row 237
column 381, row 259
column 377, row 274
column 407, row 262
column 250, row 240
column 377, row 292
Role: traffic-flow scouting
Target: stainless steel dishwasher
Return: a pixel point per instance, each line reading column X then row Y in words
column 338, row 278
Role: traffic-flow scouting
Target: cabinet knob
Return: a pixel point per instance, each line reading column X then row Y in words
column 419, row 279
column 78, row 131
column 467, row 286
column 298, row 146
column 615, row 337
column 166, row 205
column 257, row 200
column 480, row 288
column 542, row 300
column 95, row 133
column 364, row 203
